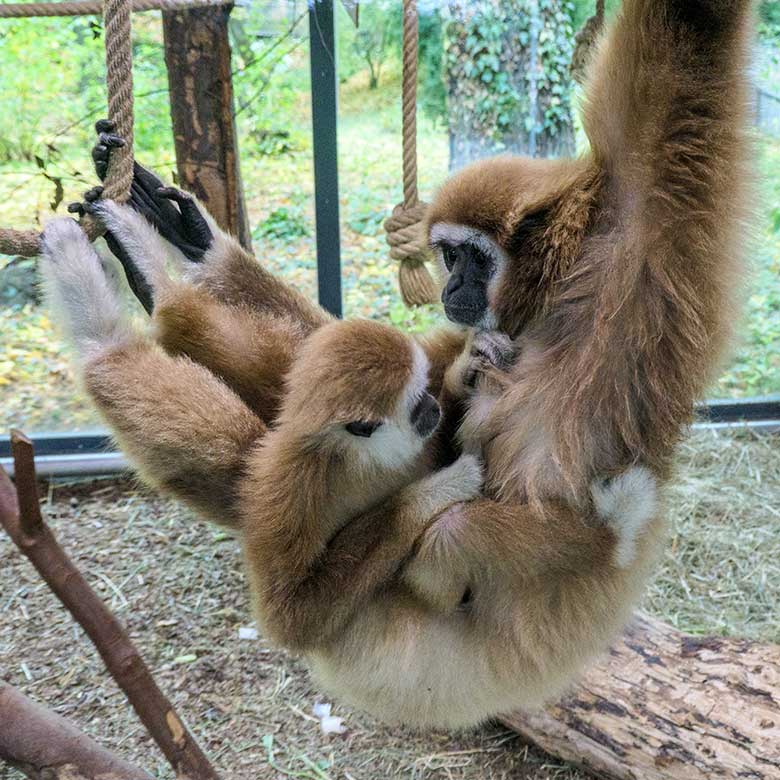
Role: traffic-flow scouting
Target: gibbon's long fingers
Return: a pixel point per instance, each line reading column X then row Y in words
column 77, row 290
column 195, row 223
column 101, row 151
column 158, row 211
column 140, row 248
column 185, row 430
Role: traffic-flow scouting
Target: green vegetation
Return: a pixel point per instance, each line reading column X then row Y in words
column 51, row 91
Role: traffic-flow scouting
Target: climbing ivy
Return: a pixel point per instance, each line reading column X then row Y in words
column 506, row 66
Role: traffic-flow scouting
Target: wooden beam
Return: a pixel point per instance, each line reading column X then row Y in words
column 667, row 706
column 197, row 56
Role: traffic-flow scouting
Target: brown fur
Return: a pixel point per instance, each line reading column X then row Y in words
column 623, row 267
column 309, row 478
column 187, row 432
column 625, row 264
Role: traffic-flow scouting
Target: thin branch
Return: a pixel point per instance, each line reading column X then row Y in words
column 20, row 516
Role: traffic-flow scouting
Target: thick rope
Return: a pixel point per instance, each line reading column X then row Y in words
column 405, row 228
column 119, row 83
column 90, row 7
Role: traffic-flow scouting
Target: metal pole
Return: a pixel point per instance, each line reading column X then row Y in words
column 324, row 100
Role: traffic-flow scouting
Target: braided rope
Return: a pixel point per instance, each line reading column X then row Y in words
column 90, row 7
column 405, row 227
column 119, row 84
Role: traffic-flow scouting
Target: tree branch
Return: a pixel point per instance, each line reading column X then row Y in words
column 45, row 746
column 21, row 517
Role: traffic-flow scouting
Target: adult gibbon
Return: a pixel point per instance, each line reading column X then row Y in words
column 614, row 274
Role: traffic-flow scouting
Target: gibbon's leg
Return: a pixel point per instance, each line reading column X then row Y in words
column 484, row 536
column 250, row 351
column 218, row 262
column 185, row 430
column 305, row 609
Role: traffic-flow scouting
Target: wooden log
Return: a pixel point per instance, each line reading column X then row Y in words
column 20, row 515
column 197, row 56
column 45, row 746
column 667, row 706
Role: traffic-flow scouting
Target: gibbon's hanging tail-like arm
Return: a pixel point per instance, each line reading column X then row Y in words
column 663, row 268
column 666, row 115
column 619, row 272
column 185, row 430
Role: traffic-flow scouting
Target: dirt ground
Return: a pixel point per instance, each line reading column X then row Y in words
column 177, row 584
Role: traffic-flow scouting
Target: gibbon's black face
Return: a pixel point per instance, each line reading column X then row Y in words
column 424, row 418
column 425, row 415
column 465, row 296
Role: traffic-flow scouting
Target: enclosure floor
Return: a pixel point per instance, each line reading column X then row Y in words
column 177, row 584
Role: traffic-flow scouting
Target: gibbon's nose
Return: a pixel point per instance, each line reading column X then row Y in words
column 454, row 283
column 425, row 415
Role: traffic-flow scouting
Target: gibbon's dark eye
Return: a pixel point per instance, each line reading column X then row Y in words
column 362, row 428
column 450, row 257
column 480, row 259
column 466, row 598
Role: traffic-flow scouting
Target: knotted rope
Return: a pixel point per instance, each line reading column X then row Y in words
column 119, row 82
column 405, row 227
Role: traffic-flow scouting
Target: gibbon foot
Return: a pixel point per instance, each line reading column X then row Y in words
column 174, row 213
column 627, row 504
column 77, row 287
column 135, row 278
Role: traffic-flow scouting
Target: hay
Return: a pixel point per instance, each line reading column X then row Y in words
column 178, row 586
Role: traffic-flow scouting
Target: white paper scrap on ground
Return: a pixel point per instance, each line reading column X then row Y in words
column 330, row 724
column 247, row 632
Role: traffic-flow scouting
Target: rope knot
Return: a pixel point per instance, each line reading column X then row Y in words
column 408, row 243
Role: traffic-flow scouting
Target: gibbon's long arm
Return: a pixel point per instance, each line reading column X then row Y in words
column 187, row 432
column 646, row 312
column 250, row 350
column 227, row 270
column 481, row 541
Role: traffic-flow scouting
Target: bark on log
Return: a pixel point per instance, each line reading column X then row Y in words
column 20, row 515
column 197, row 56
column 41, row 744
column 666, row 706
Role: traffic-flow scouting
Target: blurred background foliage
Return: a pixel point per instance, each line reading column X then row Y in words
column 474, row 98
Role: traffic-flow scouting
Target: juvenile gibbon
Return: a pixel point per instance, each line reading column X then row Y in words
column 614, row 275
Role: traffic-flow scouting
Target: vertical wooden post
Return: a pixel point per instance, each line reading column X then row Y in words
column 197, row 55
